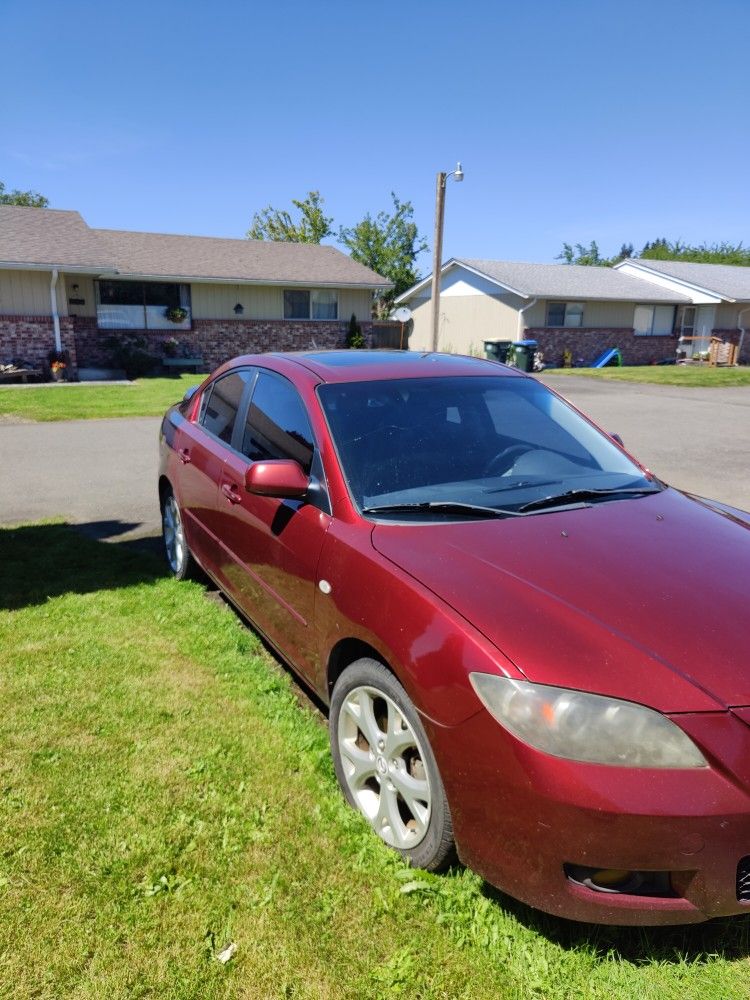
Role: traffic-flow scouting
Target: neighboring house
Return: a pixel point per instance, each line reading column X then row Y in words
column 66, row 286
column 637, row 307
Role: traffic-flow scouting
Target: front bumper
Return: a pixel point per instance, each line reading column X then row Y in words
column 520, row 816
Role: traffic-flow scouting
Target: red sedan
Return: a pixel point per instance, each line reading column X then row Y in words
column 534, row 651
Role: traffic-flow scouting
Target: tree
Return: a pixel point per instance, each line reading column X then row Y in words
column 30, row 199
column 580, row 254
column 312, row 226
column 704, row 253
column 659, row 249
column 390, row 245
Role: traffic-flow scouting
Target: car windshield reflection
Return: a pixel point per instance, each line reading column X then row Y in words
column 488, row 442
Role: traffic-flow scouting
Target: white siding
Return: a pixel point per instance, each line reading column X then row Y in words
column 603, row 314
column 84, row 291
column 27, row 293
column 265, row 302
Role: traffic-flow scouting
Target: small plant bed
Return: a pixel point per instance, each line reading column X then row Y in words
column 145, row 397
column 688, row 375
column 170, row 825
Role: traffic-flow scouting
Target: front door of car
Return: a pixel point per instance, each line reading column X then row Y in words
column 270, row 546
column 202, row 448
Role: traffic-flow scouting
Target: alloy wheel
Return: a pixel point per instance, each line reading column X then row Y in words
column 383, row 766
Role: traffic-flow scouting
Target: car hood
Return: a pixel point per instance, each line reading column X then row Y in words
column 645, row 598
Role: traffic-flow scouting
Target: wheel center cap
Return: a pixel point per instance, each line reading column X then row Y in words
column 382, row 765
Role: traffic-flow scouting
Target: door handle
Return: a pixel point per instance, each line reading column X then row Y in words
column 231, row 493
column 184, row 454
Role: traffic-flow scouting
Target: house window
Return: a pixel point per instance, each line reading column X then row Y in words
column 564, row 314
column 653, row 321
column 317, row 304
column 141, row 305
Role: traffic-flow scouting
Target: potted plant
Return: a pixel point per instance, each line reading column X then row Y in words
column 58, row 364
column 171, row 346
column 176, row 314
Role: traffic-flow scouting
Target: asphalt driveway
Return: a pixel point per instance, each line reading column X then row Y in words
column 695, row 439
column 102, row 473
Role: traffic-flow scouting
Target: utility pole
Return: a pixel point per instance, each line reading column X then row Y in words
column 437, row 250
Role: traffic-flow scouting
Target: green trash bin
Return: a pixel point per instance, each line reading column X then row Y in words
column 497, row 350
column 523, row 354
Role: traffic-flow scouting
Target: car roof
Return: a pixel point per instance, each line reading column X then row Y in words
column 361, row 365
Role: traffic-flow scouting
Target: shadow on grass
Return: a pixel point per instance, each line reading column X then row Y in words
column 727, row 938
column 46, row 560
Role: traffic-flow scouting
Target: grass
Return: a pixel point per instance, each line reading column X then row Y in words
column 164, row 794
column 146, row 397
column 686, row 375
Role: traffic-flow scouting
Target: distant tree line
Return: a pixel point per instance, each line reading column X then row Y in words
column 659, row 249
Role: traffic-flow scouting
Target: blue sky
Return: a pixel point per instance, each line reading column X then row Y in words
column 577, row 120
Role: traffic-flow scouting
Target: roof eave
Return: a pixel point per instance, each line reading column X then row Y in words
column 678, row 281
column 458, row 262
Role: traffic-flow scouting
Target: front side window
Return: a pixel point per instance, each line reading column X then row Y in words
column 277, row 423
column 142, row 305
column 565, row 314
column 316, row 304
column 220, row 404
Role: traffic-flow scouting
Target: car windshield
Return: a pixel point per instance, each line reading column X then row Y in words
column 431, row 448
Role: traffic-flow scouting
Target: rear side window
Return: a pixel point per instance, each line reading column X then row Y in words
column 277, row 423
column 220, row 404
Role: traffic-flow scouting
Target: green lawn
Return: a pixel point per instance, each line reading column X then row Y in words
column 164, row 793
column 146, row 397
column 664, row 375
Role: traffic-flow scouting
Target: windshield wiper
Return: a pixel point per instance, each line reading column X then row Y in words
column 573, row 496
column 442, row 507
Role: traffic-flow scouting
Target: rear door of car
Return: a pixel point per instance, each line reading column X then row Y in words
column 202, row 448
column 271, row 547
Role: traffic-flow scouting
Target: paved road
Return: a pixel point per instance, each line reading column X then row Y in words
column 696, row 439
column 102, row 473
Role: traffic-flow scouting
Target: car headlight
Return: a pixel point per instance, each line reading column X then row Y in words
column 586, row 727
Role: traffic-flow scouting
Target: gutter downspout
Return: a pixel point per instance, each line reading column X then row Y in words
column 55, row 316
column 528, row 305
column 742, row 331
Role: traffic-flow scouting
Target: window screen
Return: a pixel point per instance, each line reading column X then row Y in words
column 324, row 304
column 219, row 408
column 296, row 304
column 555, row 314
column 277, row 423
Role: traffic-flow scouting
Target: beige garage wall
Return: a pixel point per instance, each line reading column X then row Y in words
column 466, row 321
column 27, row 293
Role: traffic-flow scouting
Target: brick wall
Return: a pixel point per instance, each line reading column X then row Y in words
column 218, row 340
column 31, row 338
column 589, row 342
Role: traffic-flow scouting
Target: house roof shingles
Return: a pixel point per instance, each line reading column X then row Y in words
column 727, row 280
column 50, row 237
column 571, row 281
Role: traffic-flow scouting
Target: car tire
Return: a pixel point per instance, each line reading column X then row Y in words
column 391, row 777
column 180, row 561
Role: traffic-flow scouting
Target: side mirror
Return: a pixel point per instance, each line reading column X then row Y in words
column 189, row 393
column 618, row 439
column 279, row 477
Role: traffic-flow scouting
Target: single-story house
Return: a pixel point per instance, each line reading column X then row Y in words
column 66, row 286
column 647, row 309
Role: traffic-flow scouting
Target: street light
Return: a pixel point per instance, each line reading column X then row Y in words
column 437, row 252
